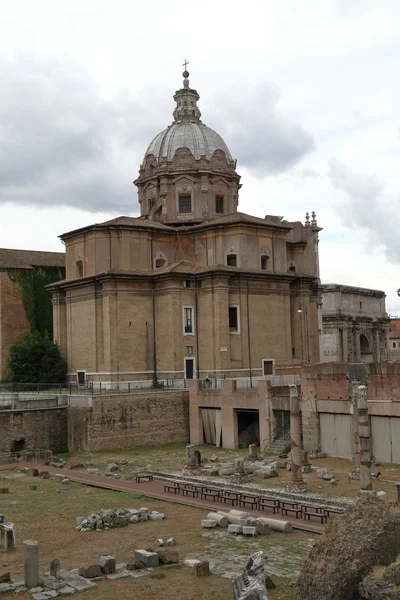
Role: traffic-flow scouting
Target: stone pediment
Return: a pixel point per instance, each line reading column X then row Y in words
column 218, row 161
column 183, row 159
column 184, row 179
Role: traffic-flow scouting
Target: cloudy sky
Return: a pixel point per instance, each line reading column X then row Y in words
column 305, row 94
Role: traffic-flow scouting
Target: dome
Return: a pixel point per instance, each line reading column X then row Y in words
column 187, row 131
column 197, row 137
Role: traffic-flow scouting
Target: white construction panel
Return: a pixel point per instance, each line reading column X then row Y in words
column 344, row 437
column 328, row 434
column 395, row 429
column 381, row 439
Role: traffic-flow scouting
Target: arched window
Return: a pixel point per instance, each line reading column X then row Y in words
column 231, row 260
column 364, row 346
column 160, row 262
column 264, row 262
column 79, row 268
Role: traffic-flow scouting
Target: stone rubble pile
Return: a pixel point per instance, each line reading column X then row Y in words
column 237, row 521
column 60, row 582
column 111, row 518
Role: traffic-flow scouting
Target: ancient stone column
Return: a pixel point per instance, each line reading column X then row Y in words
column 31, row 563
column 364, row 435
column 297, row 482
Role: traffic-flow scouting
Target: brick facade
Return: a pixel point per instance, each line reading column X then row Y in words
column 110, row 422
column 37, row 429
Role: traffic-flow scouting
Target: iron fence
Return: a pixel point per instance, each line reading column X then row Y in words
column 25, row 455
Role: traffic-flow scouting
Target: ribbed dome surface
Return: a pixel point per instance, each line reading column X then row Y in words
column 200, row 139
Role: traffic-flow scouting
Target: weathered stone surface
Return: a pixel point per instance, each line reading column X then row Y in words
column 262, row 528
column 31, row 563
column 382, row 496
column 75, row 581
column 208, row 523
column 55, row 568
column 383, row 587
column 156, row 516
column 93, row 471
column 33, row 472
column 327, row 476
column 367, row 534
column 247, row 530
column 5, row 587
column 221, row 520
column 321, row 472
column 202, row 569
column 276, row 524
column 232, row 528
column 144, row 559
column 168, row 556
column 226, row 471
column 170, row 541
column 107, row 564
column 91, row 571
column 190, row 562
column 66, row 591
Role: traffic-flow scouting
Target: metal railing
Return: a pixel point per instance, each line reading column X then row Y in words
column 210, row 385
column 25, row 455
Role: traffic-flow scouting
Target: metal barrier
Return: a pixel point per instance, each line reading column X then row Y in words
column 25, row 455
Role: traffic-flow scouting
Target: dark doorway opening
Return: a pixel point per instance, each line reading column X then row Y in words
column 248, row 427
column 282, row 423
column 18, row 446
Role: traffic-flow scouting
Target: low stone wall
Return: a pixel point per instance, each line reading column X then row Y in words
column 33, row 429
column 122, row 421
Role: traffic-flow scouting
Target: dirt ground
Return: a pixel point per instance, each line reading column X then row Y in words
column 172, row 457
column 48, row 515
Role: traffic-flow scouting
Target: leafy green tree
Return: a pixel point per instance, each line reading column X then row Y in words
column 34, row 358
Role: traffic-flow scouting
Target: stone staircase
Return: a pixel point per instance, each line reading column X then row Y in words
column 279, row 445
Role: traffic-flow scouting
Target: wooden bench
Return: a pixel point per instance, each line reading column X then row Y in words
column 214, row 494
column 291, row 507
column 269, row 503
column 333, row 511
column 190, row 492
column 143, row 477
column 249, row 500
column 173, row 488
column 229, row 497
column 318, row 514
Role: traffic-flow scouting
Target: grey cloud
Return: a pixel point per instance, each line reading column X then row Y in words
column 258, row 135
column 312, row 173
column 61, row 142
column 368, row 207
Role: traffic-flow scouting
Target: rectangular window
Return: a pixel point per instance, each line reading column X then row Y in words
column 185, row 204
column 394, row 344
column 188, row 350
column 219, row 205
column 188, row 283
column 231, row 260
column 233, row 319
column 188, row 319
column 268, row 367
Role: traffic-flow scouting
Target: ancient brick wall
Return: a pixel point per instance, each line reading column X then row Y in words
column 37, row 429
column 129, row 420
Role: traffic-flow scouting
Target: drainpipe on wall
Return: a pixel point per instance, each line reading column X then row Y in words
column 154, row 334
column 196, row 324
column 248, row 332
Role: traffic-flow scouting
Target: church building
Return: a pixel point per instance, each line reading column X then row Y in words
column 192, row 287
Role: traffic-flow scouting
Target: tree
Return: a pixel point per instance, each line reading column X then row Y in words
column 34, row 358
